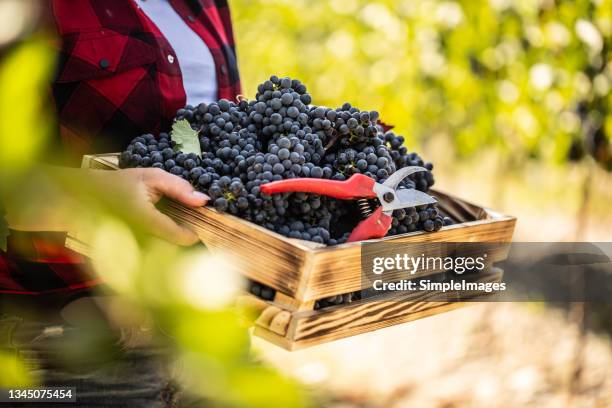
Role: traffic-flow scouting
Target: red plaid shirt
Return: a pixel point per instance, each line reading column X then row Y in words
column 117, row 78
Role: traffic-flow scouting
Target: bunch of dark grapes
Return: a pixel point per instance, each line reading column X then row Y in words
column 352, row 126
column 260, row 290
column 425, row 218
column 282, row 135
column 337, row 300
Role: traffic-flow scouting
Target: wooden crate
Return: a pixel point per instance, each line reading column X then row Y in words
column 303, row 272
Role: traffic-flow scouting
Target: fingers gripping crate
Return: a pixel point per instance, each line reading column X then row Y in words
column 303, row 272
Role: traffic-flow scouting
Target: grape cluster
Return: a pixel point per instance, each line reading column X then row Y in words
column 260, row 290
column 267, row 293
column 337, row 300
column 411, row 219
column 281, row 135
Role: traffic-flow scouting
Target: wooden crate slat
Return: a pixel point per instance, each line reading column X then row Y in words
column 308, row 328
column 431, row 309
column 371, row 312
column 333, row 269
column 264, row 258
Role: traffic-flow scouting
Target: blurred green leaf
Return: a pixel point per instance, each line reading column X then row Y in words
column 209, row 337
column 25, row 118
column 14, row 372
column 482, row 75
column 116, row 254
column 186, row 138
column 261, row 387
column 215, row 334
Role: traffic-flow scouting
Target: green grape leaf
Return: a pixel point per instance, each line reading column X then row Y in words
column 4, row 229
column 186, row 138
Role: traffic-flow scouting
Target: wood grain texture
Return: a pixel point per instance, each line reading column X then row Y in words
column 431, row 309
column 338, row 269
column 262, row 257
column 373, row 312
column 316, row 327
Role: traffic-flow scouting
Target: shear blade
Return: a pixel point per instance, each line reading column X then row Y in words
column 408, row 198
column 397, row 177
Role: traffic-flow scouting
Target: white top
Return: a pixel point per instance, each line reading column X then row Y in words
column 193, row 56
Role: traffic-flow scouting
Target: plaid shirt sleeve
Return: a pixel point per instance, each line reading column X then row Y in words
column 114, row 81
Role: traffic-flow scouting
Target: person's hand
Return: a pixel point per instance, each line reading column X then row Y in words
column 62, row 198
column 143, row 188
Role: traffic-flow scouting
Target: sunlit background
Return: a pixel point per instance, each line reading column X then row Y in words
column 511, row 102
column 504, row 97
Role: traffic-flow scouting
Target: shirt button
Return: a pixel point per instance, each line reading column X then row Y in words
column 171, row 59
column 104, row 63
column 224, row 69
column 191, row 18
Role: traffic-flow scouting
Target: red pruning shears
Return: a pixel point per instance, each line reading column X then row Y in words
column 361, row 187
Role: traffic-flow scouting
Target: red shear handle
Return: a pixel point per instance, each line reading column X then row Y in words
column 358, row 186
column 375, row 226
